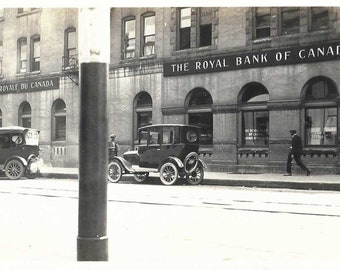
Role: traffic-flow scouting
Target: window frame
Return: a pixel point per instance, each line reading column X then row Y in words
column 256, row 27
column 34, row 59
column 22, row 64
column 25, row 115
column 311, row 26
column 126, row 39
column 287, row 10
column 184, row 32
column 144, row 43
column 70, row 58
column 56, row 116
column 201, row 24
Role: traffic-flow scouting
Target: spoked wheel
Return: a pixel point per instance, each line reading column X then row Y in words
column 115, row 172
column 196, row 177
column 168, row 173
column 140, row 177
column 14, row 169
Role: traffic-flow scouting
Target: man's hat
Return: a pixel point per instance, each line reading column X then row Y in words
column 113, row 135
column 292, row 131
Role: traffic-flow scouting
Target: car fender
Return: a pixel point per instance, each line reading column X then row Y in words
column 175, row 160
column 202, row 163
column 23, row 161
column 126, row 164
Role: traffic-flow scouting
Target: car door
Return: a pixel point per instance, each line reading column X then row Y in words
column 150, row 154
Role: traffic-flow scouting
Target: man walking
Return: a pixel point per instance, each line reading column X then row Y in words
column 295, row 152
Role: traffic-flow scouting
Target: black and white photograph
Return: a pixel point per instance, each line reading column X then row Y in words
column 194, row 135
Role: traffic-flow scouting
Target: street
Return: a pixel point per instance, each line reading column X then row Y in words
column 152, row 225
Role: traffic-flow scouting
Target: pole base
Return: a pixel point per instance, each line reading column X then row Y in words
column 92, row 249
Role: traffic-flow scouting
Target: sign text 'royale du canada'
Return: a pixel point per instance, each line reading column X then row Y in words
column 29, row 85
column 265, row 58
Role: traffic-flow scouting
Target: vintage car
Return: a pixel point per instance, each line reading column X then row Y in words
column 19, row 152
column 168, row 149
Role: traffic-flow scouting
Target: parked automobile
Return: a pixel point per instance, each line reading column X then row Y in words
column 168, row 149
column 19, row 152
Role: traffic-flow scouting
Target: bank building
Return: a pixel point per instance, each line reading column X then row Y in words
column 245, row 75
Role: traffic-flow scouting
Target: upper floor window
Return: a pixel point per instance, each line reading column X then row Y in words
column 319, row 18
column 22, row 55
column 1, row 57
column 205, row 26
column 129, row 45
column 59, row 120
column 290, row 20
column 25, row 115
column 35, row 53
column 262, row 22
column 70, row 51
column 184, row 28
column 148, row 35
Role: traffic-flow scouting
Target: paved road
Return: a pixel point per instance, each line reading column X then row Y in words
column 153, row 226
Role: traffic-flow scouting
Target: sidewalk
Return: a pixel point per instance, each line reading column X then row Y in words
column 267, row 180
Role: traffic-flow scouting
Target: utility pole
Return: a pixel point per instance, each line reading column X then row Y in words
column 94, row 57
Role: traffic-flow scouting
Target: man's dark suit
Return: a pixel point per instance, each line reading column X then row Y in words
column 296, row 152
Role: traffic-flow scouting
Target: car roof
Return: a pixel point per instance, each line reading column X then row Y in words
column 168, row 125
column 14, row 129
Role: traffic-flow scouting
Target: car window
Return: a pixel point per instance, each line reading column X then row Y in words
column 4, row 141
column 143, row 137
column 17, row 139
column 168, row 135
column 154, row 137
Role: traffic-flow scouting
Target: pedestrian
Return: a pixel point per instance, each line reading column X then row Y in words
column 113, row 147
column 295, row 152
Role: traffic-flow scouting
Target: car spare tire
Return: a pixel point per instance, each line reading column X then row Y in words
column 190, row 162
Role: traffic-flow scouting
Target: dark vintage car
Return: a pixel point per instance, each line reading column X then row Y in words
column 19, row 152
column 170, row 149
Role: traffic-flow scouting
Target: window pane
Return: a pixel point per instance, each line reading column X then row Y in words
column 149, row 26
column 290, row 20
column 130, row 29
column 321, row 126
column 71, row 40
column 185, row 18
column 319, row 18
column 205, row 35
column 144, row 119
column 36, row 49
column 262, row 22
column 255, row 128
column 168, row 135
column 321, row 89
column 60, row 128
column 23, row 50
column 185, row 38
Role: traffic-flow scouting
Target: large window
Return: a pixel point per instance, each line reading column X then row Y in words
column 262, row 22
column 129, row 44
column 184, row 28
column 59, row 120
column 25, row 115
column 205, row 26
column 199, row 103
column 148, row 44
column 143, row 111
column 290, row 20
column 22, row 55
column 35, row 53
column 319, row 18
column 254, row 115
column 1, row 57
column 71, row 52
column 321, row 114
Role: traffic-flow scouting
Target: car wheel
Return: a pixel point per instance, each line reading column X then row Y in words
column 140, row 177
column 115, row 172
column 190, row 162
column 14, row 169
column 168, row 173
column 31, row 175
column 196, row 177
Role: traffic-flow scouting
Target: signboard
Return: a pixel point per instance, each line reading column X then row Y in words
column 29, row 85
column 254, row 59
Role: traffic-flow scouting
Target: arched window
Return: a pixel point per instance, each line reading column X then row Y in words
column 199, row 102
column 59, row 120
column 143, row 111
column 254, row 115
column 321, row 114
column 24, row 115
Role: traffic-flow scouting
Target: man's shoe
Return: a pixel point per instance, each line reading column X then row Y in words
column 288, row 174
column 308, row 172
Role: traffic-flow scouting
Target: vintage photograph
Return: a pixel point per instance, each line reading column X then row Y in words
column 186, row 137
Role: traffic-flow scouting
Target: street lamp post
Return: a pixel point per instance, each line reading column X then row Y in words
column 94, row 55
